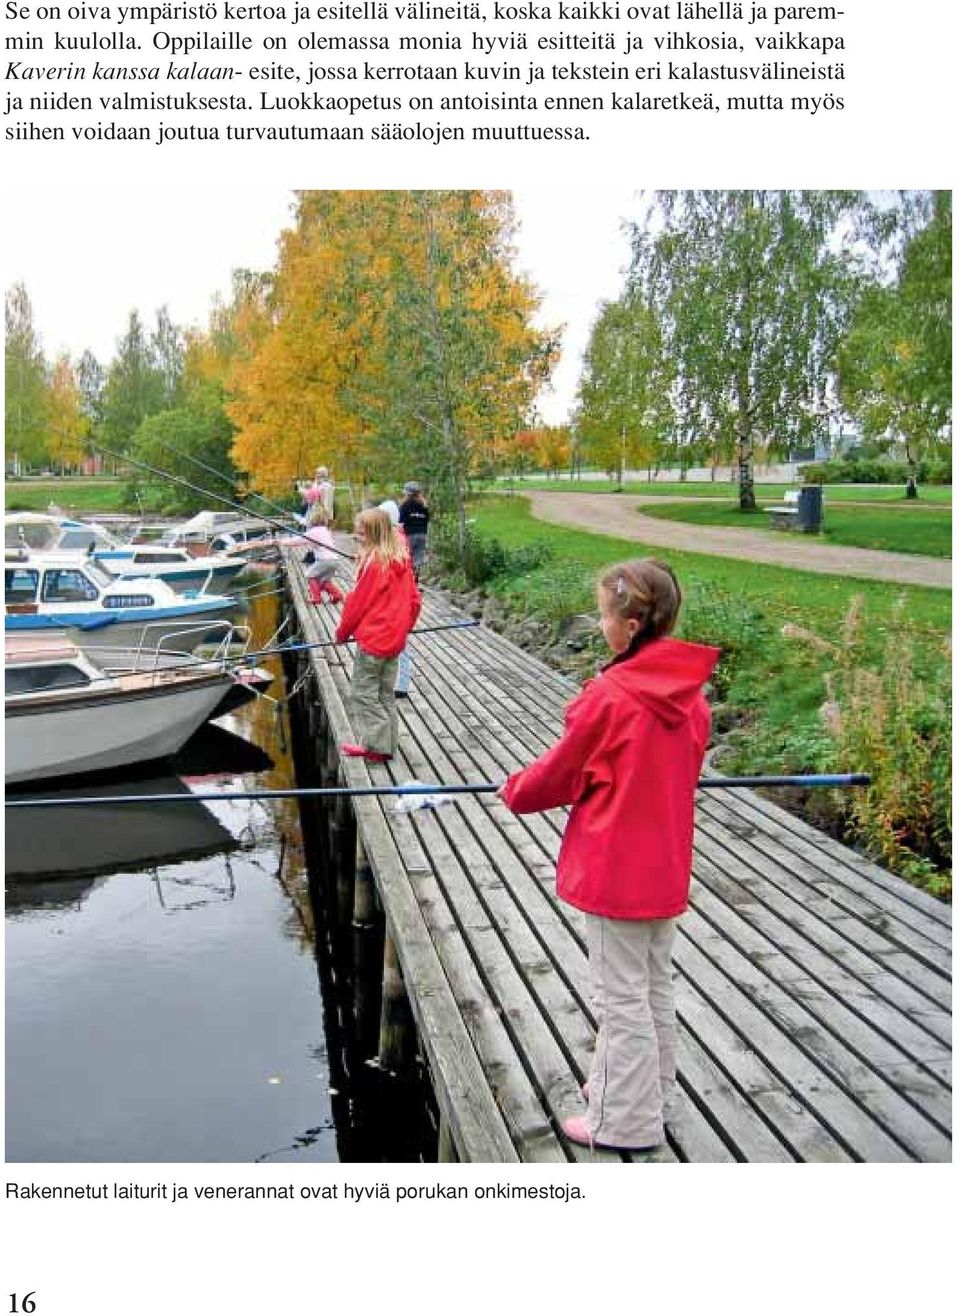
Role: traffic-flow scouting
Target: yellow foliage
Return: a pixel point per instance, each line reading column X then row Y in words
column 392, row 319
column 68, row 425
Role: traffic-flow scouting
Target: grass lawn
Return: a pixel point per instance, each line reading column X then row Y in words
column 939, row 494
column 772, row 685
column 900, row 527
column 75, row 496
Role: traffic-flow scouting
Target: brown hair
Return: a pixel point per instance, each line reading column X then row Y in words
column 647, row 590
column 383, row 541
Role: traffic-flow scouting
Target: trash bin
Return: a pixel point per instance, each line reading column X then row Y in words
column 810, row 509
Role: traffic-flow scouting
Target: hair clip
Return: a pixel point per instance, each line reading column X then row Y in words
column 620, row 585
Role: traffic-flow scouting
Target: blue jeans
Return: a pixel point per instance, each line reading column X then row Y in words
column 404, row 669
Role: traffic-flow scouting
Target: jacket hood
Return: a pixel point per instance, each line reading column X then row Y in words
column 665, row 676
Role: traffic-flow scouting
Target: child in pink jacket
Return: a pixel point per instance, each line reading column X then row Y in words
column 628, row 763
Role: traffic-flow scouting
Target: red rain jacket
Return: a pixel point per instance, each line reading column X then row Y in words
column 381, row 609
column 628, row 762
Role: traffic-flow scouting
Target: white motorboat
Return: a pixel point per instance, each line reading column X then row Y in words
column 166, row 560
column 64, row 592
column 66, row 716
column 249, row 682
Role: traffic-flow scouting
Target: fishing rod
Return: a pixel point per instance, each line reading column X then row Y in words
column 195, row 461
column 191, row 660
column 228, row 502
column 416, row 788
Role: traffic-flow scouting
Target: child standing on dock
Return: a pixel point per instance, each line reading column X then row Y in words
column 628, row 762
column 379, row 612
column 322, row 570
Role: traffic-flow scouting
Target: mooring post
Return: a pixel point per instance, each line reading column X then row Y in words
column 367, row 949
column 396, row 1020
column 446, row 1147
column 343, row 850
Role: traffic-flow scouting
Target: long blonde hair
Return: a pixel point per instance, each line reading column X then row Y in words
column 383, row 543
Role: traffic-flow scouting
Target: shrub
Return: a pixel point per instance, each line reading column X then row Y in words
column 484, row 557
column 893, row 721
column 877, row 470
column 731, row 624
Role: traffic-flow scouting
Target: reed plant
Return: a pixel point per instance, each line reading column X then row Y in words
column 891, row 717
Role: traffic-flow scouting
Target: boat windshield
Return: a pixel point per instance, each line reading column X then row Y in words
column 85, row 538
column 98, row 573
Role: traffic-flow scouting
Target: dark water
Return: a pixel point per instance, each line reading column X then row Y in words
column 163, row 1001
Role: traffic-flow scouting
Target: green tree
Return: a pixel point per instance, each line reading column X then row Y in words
column 91, row 378
column 753, row 292
column 25, row 425
column 134, row 387
column 625, row 414
column 198, row 431
column 167, row 350
column 895, row 366
column 458, row 361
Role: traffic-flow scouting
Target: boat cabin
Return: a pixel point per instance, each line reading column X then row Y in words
column 53, row 584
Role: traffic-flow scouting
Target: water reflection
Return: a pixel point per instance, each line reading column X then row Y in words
column 162, row 995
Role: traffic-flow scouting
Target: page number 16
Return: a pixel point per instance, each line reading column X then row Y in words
column 26, row 1304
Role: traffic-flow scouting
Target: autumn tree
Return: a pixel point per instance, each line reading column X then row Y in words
column 624, row 410
column 895, row 366
column 25, row 390
column 393, row 341
column 68, row 425
column 296, row 336
column 753, row 291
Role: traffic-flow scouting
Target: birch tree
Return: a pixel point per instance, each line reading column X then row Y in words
column 753, row 290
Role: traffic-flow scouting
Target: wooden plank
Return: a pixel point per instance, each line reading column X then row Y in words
column 802, row 1076
column 832, row 960
column 811, row 1006
column 466, row 1101
column 892, row 898
column 840, row 1025
column 892, row 1120
column 842, row 857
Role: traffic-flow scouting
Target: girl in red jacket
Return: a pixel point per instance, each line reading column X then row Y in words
column 379, row 613
column 628, row 762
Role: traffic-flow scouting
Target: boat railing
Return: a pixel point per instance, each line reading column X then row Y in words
column 227, row 637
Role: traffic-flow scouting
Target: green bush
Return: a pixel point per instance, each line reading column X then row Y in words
column 734, row 625
column 483, row 557
column 887, row 717
column 877, row 470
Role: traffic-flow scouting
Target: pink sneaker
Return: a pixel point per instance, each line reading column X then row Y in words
column 360, row 752
column 577, row 1130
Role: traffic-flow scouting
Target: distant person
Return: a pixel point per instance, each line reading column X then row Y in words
column 404, row 666
column 379, row 613
column 414, row 520
column 325, row 491
column 322, row 570
column 628, row 761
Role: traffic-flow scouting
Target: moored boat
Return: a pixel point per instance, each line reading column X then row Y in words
column 61, row 592
column 65, row 716
column 182, row 570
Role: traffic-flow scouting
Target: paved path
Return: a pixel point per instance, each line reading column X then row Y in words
column 616, row 514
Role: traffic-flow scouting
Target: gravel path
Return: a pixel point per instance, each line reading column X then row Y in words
column 616, row 514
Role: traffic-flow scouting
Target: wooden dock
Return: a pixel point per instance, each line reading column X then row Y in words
column 813, row 988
